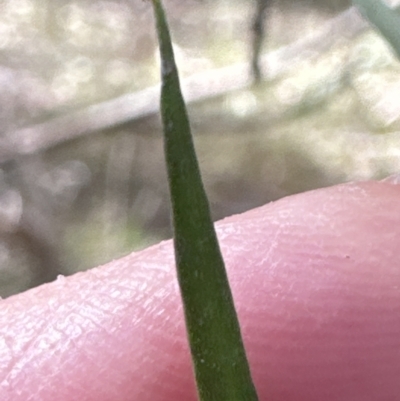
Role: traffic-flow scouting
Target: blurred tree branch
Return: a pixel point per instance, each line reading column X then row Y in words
column 258, row 31
column 130, row 107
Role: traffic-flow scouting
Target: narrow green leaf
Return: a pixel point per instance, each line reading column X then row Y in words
column 384, row 18
column 219, row 358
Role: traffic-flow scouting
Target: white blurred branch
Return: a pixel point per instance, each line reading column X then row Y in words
column 130, row 107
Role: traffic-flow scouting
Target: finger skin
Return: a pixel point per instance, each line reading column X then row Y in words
column 316, row 281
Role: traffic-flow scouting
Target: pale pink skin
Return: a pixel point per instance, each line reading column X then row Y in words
column 316, row 280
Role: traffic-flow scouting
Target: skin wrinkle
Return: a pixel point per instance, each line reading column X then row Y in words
column 20, row 356
column 86, row 301
column 357, row 194
column 318, row 325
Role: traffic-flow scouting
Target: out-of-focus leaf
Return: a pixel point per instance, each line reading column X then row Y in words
column 384, row 18
column 219, row 358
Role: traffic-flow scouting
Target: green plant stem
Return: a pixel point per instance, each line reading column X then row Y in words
column 219, row 359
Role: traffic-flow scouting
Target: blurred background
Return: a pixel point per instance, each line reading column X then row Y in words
column 82, row 177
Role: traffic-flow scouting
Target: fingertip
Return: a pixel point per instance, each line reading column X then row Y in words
column 316, row 282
